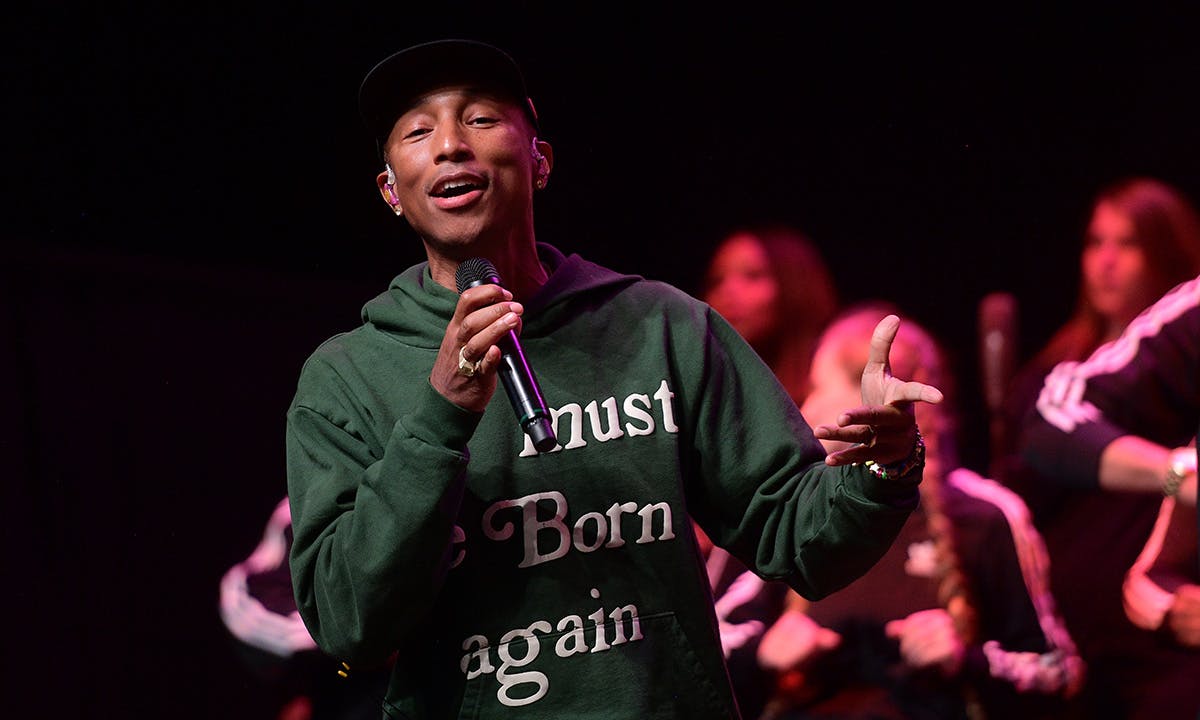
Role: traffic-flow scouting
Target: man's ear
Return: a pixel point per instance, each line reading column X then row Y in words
column 386, row 182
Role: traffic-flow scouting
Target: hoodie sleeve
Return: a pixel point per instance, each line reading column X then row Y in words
column 1145, row 383
column 363, row 515
column 765, row 492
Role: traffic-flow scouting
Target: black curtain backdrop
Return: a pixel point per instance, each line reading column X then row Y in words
column 191, row 209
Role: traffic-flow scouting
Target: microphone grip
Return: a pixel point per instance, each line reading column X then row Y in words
column 525, row 397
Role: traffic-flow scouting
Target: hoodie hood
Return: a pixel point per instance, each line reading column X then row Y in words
column 415, row 309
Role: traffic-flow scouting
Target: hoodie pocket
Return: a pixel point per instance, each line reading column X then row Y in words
column 625, row 667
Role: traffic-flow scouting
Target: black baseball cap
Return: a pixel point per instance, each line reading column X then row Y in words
column 389, row 88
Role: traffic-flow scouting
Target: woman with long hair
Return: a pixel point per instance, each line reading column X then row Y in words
column 1142, row 238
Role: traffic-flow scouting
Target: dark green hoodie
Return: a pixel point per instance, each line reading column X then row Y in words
column 506, row 583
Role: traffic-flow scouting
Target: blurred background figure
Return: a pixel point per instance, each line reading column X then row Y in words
column 1142, row 238
column 746, row 606
column 1123, row 424
column 258, row 608
column 956, row 620
column 1162, row 589
column 774, row 287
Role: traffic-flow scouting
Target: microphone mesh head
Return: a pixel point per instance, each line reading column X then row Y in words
column 998, row 310
column 475, row 271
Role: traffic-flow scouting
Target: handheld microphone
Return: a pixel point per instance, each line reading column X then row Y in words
column 997, row 340
column 515, row 374
column 997, row 357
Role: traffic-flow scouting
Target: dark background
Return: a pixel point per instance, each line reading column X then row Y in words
column 191, row 209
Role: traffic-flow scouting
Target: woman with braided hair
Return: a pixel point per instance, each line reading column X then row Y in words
column 957, row 620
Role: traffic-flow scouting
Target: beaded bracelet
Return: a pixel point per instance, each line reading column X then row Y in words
column 903, row 468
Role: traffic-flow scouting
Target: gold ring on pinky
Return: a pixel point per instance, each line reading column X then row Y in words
column 466, row 368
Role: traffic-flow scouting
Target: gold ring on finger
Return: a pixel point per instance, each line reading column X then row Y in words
column 467, row 368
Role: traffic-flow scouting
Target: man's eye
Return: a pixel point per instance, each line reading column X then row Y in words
column 483, row 120
column 416, row 132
